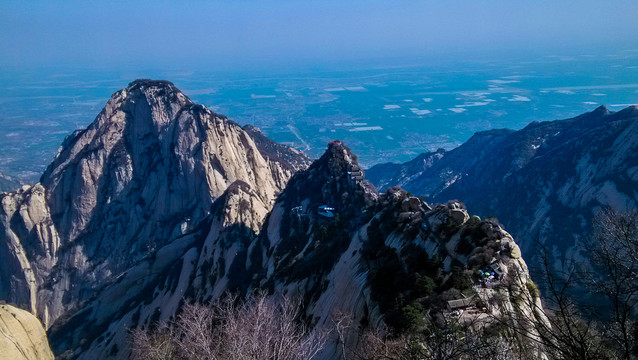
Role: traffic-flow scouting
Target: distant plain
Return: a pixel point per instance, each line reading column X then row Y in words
column 384, row 112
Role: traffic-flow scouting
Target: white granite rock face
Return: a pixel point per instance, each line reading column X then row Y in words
column 246, row 244
column 22, row 336
column 150, row 162
column 30, row 247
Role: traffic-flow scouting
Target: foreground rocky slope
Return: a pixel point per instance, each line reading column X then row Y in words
column 145, row 171
column 544, row 182
column 161, row 202
column 22, row 336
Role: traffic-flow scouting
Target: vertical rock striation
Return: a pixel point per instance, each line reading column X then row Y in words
column 148, row 167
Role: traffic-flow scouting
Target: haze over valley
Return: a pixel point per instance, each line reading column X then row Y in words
column 384, row 112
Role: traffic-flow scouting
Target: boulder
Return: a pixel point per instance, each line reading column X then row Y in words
column 458, row 216
column 513, row 250
column 22, row 336
column 411, row 204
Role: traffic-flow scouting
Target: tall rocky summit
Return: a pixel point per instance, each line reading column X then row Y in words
column 160, row 203
column 144, row 172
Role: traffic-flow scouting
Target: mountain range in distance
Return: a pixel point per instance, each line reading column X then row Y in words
column 544, row 182
column 160, row 203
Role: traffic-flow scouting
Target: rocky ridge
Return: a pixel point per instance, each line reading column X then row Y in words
column 335, row 264
column 544, row 182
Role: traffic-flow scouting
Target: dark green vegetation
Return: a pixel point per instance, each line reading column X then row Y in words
column 310, row 243
column 544, row 181
column 400, row 283
column 407, row 284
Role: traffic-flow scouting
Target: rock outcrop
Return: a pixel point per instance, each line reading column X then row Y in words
column 22, row 336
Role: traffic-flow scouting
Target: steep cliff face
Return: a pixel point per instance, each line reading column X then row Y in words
column 544, row 182
column 228, row 251
column 209, row 259
column 328, row 239
column 30, row 246
column 148, row 168
column 22, row 336
column 313, row 234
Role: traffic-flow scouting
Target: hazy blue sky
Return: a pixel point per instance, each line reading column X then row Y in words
column 184, row 34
